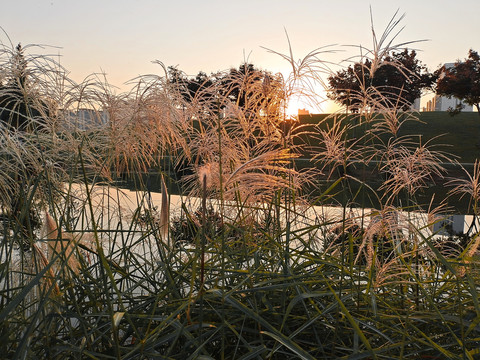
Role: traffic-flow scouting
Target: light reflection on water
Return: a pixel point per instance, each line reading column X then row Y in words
column 127, row 202
column 115, row 208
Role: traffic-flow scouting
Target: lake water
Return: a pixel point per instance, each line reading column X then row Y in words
column 120, row 204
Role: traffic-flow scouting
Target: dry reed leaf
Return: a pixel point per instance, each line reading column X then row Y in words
column 164, row 212
column 62, row 245
column 49, row 277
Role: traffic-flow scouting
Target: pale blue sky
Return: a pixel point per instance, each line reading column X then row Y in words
column 122, row 37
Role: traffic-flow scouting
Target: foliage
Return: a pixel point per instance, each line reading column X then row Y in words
column 238, row 110
column 23, row 114
column 462, row 80
column 455, row 111
column 191, row 89
column 253, row 90
column 247, row 87
column 140, row 298
column 397, row 81
column 20, row 107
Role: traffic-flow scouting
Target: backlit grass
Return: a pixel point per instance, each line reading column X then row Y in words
column 246, row 263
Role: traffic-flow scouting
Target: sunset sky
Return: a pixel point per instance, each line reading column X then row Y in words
column 122, row 38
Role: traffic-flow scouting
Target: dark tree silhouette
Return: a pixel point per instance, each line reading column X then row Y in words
column 22, row 113
column 399, row 79
column 19, row 108
column 247, row 87
column 193, row 89
column 237, row 84
column 245, row 95
column 253, row 90
column 462, row 80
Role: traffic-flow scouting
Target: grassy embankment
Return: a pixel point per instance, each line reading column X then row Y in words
column 457, row 136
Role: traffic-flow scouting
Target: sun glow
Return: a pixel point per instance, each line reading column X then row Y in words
column 313, row 102
column 303, row 105
column 296, row 105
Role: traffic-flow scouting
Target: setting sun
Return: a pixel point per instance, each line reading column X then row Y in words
column 295, row 105
column 314, row 104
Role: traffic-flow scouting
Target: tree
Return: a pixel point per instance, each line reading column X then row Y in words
column 462, row 80
column 248, row 101
column 397, row 80
column 20, row 108
column 191, row 89
column 247, row 87
column 238, row 84
column 23, row 114
column 256, row 92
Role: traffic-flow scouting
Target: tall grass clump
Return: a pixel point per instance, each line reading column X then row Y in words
column 256, row 257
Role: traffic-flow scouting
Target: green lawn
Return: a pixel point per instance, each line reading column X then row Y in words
column 458, row 135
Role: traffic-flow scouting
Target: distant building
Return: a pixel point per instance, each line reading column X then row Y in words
column 444, row 103
column 456, row 225
column 85, row 119
column 303, row 112
column 430, row 105
column 416, row 104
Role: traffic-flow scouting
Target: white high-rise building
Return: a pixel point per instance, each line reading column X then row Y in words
column 85, row 119
column 444, row 103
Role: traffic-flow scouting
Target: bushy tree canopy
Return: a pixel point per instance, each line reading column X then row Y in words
column 247, row 87
column 462, row 80
column 20, row 108
column 191, row 88
column 397, row 80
